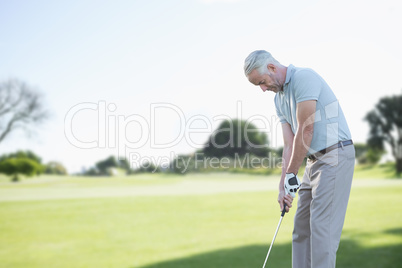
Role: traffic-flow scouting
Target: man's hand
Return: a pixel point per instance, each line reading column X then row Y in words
column 292, row 184
column 285, row 198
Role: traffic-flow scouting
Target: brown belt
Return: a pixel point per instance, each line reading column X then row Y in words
column 330, row 148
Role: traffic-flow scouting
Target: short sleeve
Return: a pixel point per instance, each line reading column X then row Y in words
column 307, row 85
column 279, row 112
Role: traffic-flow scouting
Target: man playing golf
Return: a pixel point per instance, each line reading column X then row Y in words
column 313, row 125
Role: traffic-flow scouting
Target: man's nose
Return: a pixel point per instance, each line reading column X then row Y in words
column 264, row 88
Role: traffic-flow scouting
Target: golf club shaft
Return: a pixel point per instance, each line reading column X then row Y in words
column 276, row 232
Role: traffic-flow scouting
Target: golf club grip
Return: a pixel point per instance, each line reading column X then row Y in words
column 284, row 209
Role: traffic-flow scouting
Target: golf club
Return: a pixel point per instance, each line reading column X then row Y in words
column 276, row 232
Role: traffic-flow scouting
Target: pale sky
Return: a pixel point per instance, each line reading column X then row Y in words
column 150, row 72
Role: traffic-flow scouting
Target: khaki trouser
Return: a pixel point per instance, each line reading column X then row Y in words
column 321, row 209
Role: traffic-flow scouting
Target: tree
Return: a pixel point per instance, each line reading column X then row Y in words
column 21, row 163
column 236, row 137
column 23, row 154
column 148, row 167
column 367, row 154
column 20, row 106
column 55, row 168
column 361, row 149
column 20, row 166
column 124, row 164
column 386, row 127
column 105, row 165
column 108, row 167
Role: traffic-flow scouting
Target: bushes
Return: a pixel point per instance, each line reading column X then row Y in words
column 366, row 154
column 29, row 164
column 20, row 166
column 21, row 163
column 55, row 168
column 109, row 167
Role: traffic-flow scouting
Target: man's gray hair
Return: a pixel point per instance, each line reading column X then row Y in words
column 259, row 60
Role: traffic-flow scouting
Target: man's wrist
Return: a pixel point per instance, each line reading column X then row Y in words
column 292, row 184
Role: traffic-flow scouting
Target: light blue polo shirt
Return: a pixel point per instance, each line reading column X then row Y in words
column 304, row 84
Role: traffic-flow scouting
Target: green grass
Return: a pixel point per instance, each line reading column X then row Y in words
column 84, row 181
column 386, row 170
column 173, row 231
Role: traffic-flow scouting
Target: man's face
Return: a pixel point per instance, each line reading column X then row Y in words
column 266, row 81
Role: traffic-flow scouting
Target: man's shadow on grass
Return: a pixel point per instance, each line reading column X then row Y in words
column 351, row 254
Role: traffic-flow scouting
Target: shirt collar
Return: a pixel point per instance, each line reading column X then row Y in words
column 289, row 73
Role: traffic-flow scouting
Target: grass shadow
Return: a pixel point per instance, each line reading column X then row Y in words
column 396, row 231
column 353, row 254
column 350, row 254
column 248, row 256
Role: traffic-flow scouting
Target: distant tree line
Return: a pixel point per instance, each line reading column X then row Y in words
column 240, row 143
column 236, row 145
column 112, row 166
column 108, row 167
column 239, row 146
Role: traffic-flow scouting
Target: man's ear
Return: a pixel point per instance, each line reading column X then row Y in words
column 271, row 68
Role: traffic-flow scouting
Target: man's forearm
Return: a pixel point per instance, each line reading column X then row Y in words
column 302, row 140
column 286, row 155
column 301, row 144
